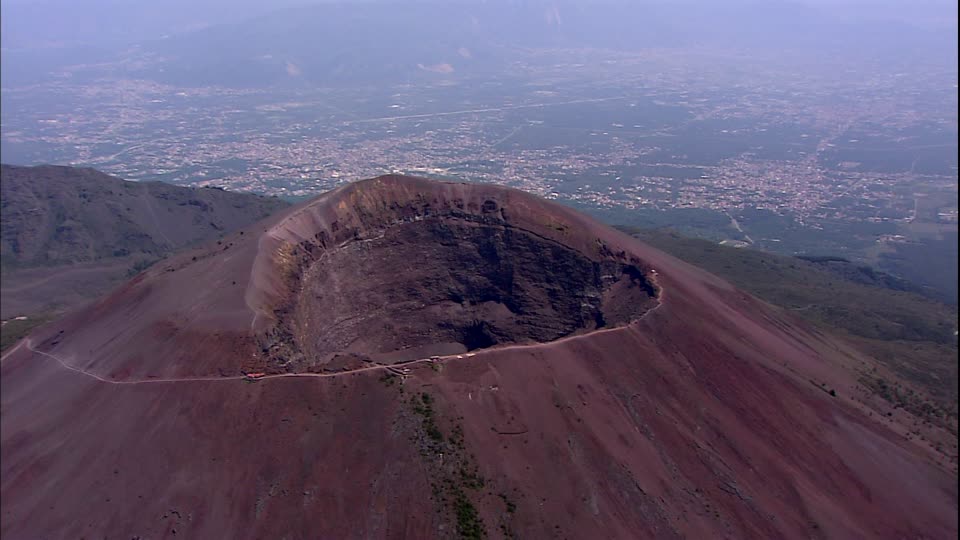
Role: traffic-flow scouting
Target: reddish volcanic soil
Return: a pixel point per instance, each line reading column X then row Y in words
column 584, row 385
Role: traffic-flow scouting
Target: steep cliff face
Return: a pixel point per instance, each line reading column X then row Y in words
column 407, row 358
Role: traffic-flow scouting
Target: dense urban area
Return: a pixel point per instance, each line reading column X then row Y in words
column 864, row 156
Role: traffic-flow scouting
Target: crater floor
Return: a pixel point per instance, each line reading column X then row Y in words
column 444, row 285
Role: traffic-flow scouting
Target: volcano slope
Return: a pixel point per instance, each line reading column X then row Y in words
column 446, row 360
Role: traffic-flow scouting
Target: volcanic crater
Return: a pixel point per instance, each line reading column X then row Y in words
column 705, row 417
column 388, row 273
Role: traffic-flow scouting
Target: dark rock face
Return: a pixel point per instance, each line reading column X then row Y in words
column 444, row 285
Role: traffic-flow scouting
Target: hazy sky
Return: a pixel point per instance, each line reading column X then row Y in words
column 39, row 36
column 107, row 18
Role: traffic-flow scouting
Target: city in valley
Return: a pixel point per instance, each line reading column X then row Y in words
column 645, row 138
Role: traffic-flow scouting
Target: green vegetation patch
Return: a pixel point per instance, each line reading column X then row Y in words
column 469, row 523
column 14, row 330
column 454, row 470
column 423, row 406
column 911, row 401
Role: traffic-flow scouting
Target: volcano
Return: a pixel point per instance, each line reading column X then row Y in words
column 405, row 358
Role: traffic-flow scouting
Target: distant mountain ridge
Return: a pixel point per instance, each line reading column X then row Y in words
column 57, row 219
column 62, row 215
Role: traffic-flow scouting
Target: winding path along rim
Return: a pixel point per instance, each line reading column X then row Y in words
column 377, row 367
